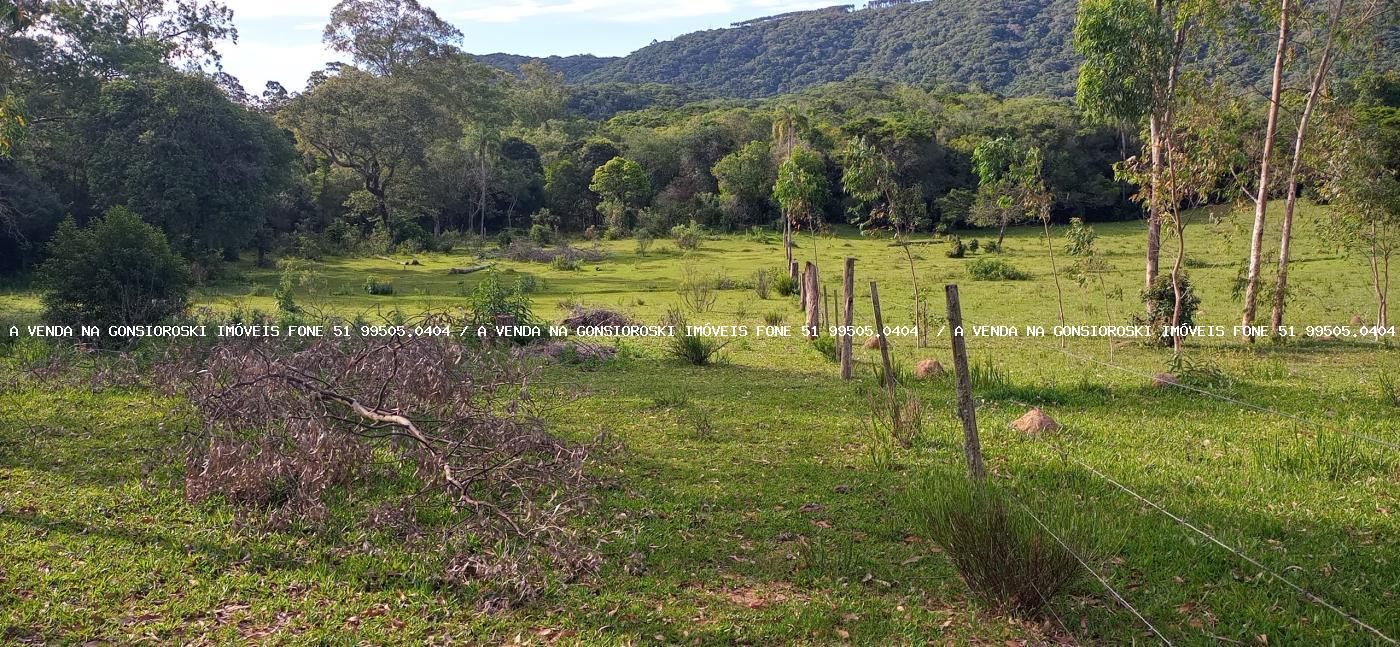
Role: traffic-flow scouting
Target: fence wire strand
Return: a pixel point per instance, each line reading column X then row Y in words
column 1308, row 595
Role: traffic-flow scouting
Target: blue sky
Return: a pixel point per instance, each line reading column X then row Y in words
column 281, row 39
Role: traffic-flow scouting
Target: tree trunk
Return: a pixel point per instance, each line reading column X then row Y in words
column 914, row 282
column 1261, row 203
column 787, row 243
column 1281, row 287
column 1154, row 216
column 481, row 187
column 848, row 290
column 1050, row 245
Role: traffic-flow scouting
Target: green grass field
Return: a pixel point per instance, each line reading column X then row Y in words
column 747, row 508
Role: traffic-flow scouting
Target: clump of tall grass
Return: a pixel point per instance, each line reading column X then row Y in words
column 1329, row 456
column 826, row 346
column 988, row 376
column 784, row 284
column 762, row 283
column 1007, row 559
column 1390, row 392
column 896, row 420
column 692, row 349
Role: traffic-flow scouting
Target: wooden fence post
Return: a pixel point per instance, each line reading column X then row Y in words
column 884, row 343
column 813, row 301
column 848, row 286
column 967, row 409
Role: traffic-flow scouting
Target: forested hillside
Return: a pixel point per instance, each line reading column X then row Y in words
column 574, row 68
column 1011, row 47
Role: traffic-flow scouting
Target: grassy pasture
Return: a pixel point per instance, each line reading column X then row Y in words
column 747, row 509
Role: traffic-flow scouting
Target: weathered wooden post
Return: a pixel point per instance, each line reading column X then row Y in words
column 967, row 409
column 884, row 343
column 848, row 286
column 813, row 301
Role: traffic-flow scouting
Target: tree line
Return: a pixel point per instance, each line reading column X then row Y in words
column 415, row 144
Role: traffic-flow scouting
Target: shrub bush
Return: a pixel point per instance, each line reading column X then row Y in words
column 1161, row 302
column 992, row 247
column 995, row 269
column 759, row 235
column 644, row 241
column 688, row 237
column 956, row 248
column 116, row 271
column 762, row 283
column 1004, row 556
column 496, row 302
column 972, row 245
column 379, row 287
column 773, row 318
column 541, row 235
column 785, row 284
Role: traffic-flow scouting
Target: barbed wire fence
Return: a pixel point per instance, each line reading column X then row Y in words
column 1177, row 519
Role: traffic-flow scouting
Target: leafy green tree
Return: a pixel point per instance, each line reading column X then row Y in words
column 387, row 35
column 1362, row 181
column 175, row 149
column 379, row 127
column 539, row 96
column 1132, row 56
column 745, row 180
column 622, row 184
column 996, row 162
column 801, row 189
column 869, row 176
column 116, row 271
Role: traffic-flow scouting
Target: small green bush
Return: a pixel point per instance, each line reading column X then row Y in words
column 992, row 247
column 644, row 242
column 116, row 271
column 956, row 248
column 494, row 301
column 565, row 264
column 759, row 235
column 995, row 269
column 541, row 235
column 773, row 318
column 972, row 245
column 379, row 287
column 1161, row 301
column 688, row 237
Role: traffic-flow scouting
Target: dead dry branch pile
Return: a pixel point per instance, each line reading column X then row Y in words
column 281, row 426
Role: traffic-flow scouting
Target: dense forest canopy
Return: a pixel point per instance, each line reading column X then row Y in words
column 1012, row 47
